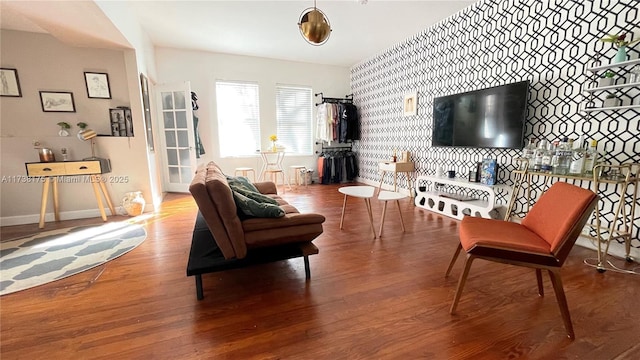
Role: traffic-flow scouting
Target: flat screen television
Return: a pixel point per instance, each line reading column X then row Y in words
column 486, row 118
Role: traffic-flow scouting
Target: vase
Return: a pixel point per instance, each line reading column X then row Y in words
column 133, row 203
column 274, row 148
column 621, row 55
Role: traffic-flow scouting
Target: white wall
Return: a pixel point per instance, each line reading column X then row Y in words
column 44, row 63
column 202, row 69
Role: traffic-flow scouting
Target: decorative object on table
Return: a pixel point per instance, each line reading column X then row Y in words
column 133, row 203
column 611, row 101
column 489, row 175
column 65, row 154
column 64, row 127
column 314, row 25
column 9, row 83
column 451, row 174
column 121, row 122
column 46, row 155
column 97, row 85
column 405, row 156
column 88, row 134
column 57, row 101
column 621, row 44
column 472, row 176
column 410, row 104
column 273, row 138
column 606, row 79
column 83, row 126
column 53, row 255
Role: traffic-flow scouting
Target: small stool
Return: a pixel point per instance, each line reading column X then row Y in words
column 387, row 196
column 296, row 169
column 273, row 175
column 244, row 170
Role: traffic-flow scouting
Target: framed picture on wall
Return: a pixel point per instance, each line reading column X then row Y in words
column 97, row 85
column 410, row 104
column 9, row 84
column 57, row 101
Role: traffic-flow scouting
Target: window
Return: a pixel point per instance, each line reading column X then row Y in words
column 294, row 124
column 238, row 118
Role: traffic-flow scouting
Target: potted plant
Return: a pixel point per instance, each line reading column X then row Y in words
column 620, row 43
column 64, row 126
column 611, row 101
column 606, row 79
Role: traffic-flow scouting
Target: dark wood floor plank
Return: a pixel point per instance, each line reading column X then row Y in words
column 382, row 298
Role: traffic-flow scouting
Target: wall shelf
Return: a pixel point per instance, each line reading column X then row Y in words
column 623, row 107
column 615, row 65
column 612, row 87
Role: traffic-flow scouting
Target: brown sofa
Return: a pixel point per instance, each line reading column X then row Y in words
column 224, row 238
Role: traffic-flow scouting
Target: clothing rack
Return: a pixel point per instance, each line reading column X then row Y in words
column 330, row 148
column 347, row 99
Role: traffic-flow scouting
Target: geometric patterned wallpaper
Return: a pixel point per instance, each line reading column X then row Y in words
column 549, row 43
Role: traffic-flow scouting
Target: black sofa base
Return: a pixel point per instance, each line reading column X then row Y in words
column 205, row 257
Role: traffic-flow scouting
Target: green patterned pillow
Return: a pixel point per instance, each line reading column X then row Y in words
column 233, row 180
column 258, row 209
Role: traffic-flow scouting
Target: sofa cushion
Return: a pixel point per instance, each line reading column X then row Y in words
column 235, row 180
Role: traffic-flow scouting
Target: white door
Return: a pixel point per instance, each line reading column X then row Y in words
column 177, row 136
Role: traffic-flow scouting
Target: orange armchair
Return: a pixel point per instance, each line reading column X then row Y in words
column 541, row 241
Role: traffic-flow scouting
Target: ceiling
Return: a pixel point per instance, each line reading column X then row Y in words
column 264, row 28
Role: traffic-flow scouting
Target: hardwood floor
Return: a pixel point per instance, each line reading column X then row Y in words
column 367, row 299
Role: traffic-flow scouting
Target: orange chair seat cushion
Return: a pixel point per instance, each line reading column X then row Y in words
column 475, row 231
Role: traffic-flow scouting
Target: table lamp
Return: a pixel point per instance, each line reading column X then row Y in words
column 89, row 134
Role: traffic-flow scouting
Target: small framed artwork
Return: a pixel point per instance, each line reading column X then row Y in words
column 97, row 85
column 10, row 85
column 57, row 101
column 410, row 104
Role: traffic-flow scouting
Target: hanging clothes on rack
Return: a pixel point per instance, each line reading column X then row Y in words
column 337, row 120
column 196, row 132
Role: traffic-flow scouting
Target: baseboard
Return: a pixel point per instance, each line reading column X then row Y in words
column 616, row 250
column 64, row 215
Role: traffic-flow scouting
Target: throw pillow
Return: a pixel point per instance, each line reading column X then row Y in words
column 253, row 208
column 238, row 187
column 242, row 180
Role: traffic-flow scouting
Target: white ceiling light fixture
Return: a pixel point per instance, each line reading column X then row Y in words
column 314, row 26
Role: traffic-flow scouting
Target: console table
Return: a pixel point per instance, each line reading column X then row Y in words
column 455, row 204
column 396, row 167
column 624, row 215
column 50, row 171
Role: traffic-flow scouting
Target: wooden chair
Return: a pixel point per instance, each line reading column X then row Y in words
column 542, row 241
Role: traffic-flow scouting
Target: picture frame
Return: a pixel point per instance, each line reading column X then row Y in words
column 9, row 83
column 97, row 85
column 57, row 101
column 410, row 104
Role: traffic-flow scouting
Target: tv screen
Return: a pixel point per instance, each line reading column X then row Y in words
column 488, row 118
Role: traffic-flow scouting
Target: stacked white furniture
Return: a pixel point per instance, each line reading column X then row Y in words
column 454, row 203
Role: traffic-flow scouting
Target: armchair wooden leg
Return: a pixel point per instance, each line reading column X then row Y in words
column 562, row 301
column 539, row 278
column 461, row 282
column 453, row 260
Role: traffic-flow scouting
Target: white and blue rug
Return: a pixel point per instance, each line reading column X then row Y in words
column 52, row 255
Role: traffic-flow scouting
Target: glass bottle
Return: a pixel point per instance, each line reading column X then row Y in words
column 529, row 151
column 546, row 159
column 634, row 75
column 577, row 157
column 564, row 157
column 555, row 157
column 591, row 158
column 538, row 154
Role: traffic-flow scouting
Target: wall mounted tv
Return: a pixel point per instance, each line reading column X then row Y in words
column 486, row 118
